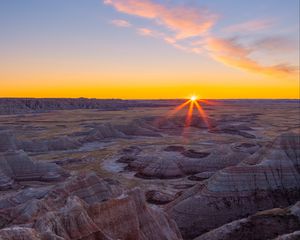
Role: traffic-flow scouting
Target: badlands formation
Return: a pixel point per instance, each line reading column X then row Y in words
column 111, row 169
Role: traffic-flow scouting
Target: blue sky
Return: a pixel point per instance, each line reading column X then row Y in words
column 63, row 37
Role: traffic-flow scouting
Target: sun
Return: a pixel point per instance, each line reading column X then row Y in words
column 193, row 102
column 193, row 98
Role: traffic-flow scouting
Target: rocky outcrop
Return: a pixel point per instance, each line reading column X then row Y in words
column 72, row 221
column 142, row 222
column 16, row 166
column 85, row 207
column 88, row 187
column 23, row 196
column 267, row 224
column 101, row 132
column 267, row 179
column 168, row 164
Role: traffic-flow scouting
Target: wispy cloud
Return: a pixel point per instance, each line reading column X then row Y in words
column 170, row 40
column 190, row 29
column 232, row 54
column 148, row 32
column 249, row 26
column 277, row 44
column 184, row 21
column 120, row 23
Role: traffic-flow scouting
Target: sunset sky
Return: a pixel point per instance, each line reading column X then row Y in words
column 149, row 48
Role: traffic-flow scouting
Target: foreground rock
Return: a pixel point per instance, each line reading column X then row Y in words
column 267, row 179
column 86, row 208
column 262, row 225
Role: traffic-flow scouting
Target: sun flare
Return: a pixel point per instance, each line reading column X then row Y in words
column 193, row 98
column 192, row 103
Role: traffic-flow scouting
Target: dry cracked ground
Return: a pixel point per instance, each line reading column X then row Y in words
column 137, row 173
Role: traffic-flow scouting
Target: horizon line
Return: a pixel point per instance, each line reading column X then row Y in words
column 147, row 99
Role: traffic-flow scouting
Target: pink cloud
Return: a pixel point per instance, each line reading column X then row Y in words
column 120, row 23
column 232, row 54
column 160, row 35
column 145, row 32
column 184, row 21
column 249, row 26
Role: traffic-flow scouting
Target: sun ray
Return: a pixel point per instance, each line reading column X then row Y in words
column 202, row 114
column 170, row 113
column 177, row 109
column 189, row 115
column 193, row 102
column 208, row 102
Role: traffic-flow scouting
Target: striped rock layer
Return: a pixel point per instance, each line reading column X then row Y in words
column 267, row 179
column 85, row 207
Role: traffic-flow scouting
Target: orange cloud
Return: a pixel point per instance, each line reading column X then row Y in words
column 120, row 23
column 235, row 55
column 194, row 23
